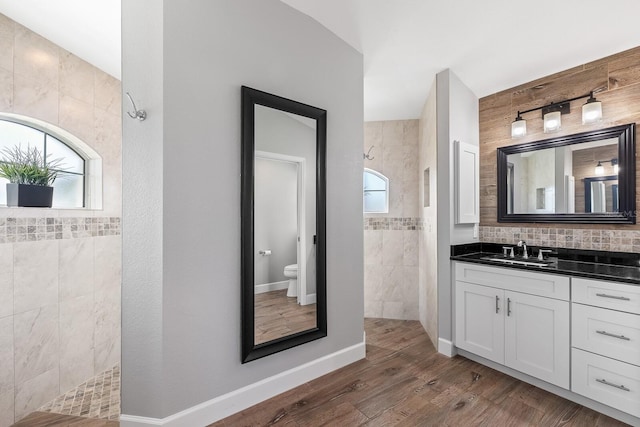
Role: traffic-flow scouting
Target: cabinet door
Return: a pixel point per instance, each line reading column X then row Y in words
column 480, row 321
column 467, row 175
column 537, row 337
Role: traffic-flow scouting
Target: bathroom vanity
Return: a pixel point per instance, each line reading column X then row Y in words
column 571, row 327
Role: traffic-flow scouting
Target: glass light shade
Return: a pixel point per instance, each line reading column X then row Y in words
column 518, row 128
column 552, row 122
column 591, row 112
column 599, row 169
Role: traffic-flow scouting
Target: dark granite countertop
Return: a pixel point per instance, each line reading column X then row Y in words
column 613, row 266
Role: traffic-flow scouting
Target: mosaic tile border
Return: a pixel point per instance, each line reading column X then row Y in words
column 391, row 223
column 14, row 230
column 603, row 240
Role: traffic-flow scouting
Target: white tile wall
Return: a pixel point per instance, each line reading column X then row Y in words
column 59, row 299
column 62, row 335
column 391, row 256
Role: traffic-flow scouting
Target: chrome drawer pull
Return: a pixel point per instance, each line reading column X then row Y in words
column 614, row 297
column 497, row 308
column 621, row 387
column 622, row 337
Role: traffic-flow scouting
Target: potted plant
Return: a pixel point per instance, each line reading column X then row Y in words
column 30, row 176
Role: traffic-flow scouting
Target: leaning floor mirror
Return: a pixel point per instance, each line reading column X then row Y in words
column 283, row 224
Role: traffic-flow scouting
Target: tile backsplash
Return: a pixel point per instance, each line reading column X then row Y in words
column 574, row 238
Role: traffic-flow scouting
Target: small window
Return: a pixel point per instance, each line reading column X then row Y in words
column 79, row 184
column 376, row 192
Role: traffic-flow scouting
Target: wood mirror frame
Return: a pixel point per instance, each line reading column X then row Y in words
column 626, row 177
column 251, row 98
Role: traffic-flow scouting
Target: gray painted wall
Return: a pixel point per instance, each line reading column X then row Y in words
column 142, row 212
column 456, row 118
column 459, row 122
column 185, row 62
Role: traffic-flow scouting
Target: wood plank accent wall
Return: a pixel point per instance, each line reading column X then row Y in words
column 616, row 79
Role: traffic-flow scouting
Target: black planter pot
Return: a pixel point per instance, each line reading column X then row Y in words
column 33, row 196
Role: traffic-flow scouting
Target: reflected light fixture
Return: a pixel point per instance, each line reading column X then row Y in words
column 552, row 115
column 599, row 169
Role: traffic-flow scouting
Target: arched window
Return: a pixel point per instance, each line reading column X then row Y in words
column 376, row 192
column 77, row 186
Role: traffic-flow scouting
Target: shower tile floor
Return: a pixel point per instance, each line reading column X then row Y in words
column 99, row 398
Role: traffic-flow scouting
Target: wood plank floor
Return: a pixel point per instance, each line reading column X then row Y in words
column 404, row 382
column 277, row 315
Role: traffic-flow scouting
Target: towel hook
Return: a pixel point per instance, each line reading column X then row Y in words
column 137, row 114
column 367, row 156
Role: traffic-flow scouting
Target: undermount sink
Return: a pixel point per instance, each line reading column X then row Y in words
column 532, row 262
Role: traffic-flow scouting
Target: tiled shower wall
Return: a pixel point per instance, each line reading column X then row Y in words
column 59, row 269
column 391, row 240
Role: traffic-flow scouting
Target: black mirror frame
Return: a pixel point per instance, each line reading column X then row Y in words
column 250, row 98
column 627, row 178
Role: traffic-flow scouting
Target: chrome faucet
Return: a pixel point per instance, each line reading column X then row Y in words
column 541, row 253
column 523, row 244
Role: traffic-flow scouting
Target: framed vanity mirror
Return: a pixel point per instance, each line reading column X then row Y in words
column 587, row 178
column 283, row 224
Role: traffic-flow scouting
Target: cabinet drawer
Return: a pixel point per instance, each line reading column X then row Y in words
column 616, row 296
column 605, row 380
column 606, row 332
column 541, row 284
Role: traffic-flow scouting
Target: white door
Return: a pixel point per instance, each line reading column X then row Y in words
column 480, row 321
column 537, row 337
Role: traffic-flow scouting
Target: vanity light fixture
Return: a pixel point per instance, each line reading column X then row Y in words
column 552, row 121
column 591, row 110
column 552, row 115
column 518, row 127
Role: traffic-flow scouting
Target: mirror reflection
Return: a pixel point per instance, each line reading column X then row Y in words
column 284, row 224
column 576, row 178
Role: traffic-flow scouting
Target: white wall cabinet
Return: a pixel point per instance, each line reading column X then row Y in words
column 467, row 188
column 529, row 333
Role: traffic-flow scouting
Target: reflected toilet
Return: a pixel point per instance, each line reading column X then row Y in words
column 291, row 271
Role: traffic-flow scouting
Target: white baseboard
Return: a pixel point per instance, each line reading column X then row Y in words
column 446, row 347
column 311, row 299
column 268, row 287
column 221, row 407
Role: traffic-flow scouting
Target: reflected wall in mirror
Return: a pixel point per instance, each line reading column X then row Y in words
column 583, row 178
column 283, row 211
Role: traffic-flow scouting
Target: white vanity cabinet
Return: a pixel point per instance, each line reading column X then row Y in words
column 516, row 318
column 606, row 343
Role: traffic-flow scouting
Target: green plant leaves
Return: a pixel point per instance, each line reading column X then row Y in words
column 28, row 166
